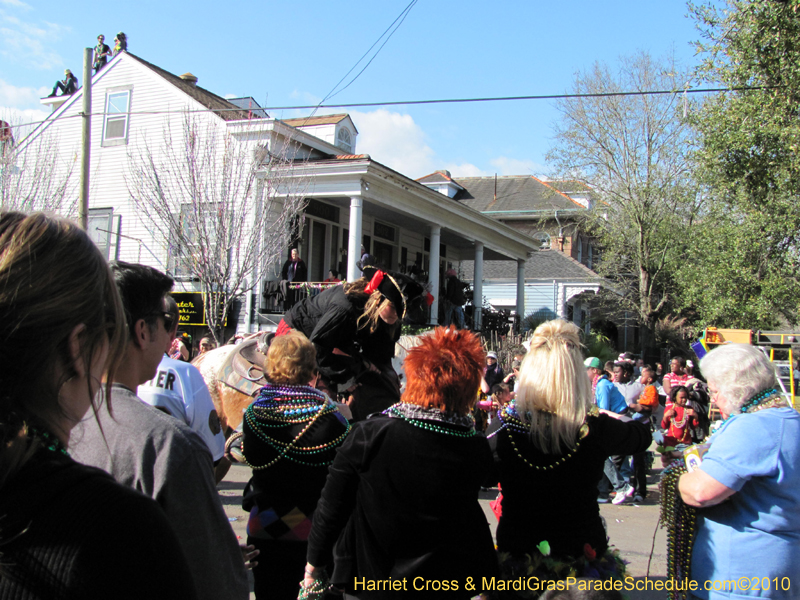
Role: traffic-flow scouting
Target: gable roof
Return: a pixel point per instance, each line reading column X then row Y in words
column 542, row 265
column 515, row 193
column 225, row 110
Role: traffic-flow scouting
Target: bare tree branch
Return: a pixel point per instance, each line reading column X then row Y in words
column 224, row 201
column 34, row 177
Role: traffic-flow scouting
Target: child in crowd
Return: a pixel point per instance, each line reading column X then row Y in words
column 643, row 409
column 648, row 400
column 677, row 418
column 501, row 395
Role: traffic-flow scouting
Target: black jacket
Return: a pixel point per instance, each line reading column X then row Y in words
column 330, row 321
column 455, row 291
column 559, row 504
column 300, row 273
column 407, row 500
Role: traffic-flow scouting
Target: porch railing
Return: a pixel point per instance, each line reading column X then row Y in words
column 286, row 296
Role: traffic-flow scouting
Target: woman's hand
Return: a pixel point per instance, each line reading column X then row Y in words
column 314, row 583
column 249, row 553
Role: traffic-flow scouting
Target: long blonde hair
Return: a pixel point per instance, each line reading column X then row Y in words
column 374, row 303
column 554, row 393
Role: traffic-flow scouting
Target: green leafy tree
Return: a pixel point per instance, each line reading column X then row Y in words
column 634, row 151
column 743, row 270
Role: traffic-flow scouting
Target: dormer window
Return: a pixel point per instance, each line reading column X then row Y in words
column 344, row 141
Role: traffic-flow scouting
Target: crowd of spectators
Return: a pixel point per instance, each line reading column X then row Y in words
column 336, row 503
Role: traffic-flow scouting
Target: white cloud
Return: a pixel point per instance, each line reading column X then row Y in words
column 466, row 170
column 20, row 98
column 16, row 4
column 20, row 106
column 29, row 43
column 396, row 141
column 515, row 166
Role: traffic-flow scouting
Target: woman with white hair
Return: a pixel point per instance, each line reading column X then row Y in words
column 550, row 452
column 748, row 485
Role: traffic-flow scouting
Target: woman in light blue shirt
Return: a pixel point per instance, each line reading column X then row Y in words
column 748, row 485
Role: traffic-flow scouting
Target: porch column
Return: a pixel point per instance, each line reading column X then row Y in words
column 354, row 241
column 477, row 288
column 521, row 289
column 433, row 273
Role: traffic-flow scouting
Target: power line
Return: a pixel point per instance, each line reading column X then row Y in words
column 437, row 101
column 401, row 17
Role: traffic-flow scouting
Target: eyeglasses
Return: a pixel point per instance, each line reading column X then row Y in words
column 169, row 318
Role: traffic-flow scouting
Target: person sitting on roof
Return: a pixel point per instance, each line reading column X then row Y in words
column 67, row 87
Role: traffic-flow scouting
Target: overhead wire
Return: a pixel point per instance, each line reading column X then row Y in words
column 401, row 17
column 418, row 102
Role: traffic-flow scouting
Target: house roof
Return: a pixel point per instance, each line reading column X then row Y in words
column 321, row 120
column 221, row 107
column 249, row 104
column 439, row 177
column 544, row 264
column 514, row 193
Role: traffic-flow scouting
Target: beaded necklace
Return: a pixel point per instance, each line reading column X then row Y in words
column 770, row 398
column 48, row 440
column 283, row 406
column 511, row 421
column 399, row 410
column 679, row 423
column 679, row 520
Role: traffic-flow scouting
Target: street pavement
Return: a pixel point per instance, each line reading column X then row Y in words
column 631, row 527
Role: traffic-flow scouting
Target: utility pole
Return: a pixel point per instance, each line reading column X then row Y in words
column 86, row 136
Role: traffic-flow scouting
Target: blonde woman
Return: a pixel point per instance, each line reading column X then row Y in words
column 550, row 452
column 354, row 328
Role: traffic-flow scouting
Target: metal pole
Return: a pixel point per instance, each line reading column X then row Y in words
column 86, row 136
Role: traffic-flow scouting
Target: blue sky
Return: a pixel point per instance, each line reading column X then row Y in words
column 293, row 53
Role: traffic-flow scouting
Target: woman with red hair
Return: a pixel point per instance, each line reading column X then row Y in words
column 402, row 493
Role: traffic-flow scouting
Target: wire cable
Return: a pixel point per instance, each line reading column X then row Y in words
column 401, row 17
column 416, row 102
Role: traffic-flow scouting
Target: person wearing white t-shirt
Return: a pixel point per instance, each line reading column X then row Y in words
column 179, row 390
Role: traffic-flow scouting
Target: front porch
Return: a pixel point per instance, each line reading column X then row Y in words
column 409, row 228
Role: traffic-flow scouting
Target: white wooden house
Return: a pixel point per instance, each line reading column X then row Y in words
column 352, row 198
